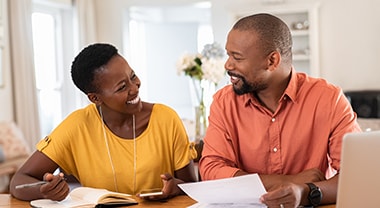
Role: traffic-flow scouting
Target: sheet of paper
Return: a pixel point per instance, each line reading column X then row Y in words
column 237, row 190
column 228, row 205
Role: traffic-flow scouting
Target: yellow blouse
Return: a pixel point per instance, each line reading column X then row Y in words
column 78, row 146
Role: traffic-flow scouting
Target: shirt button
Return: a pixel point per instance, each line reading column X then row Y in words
column 275, row 149
column 284, row 98
column 273, row 119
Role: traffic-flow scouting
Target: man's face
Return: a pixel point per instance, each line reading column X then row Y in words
column 246, row 63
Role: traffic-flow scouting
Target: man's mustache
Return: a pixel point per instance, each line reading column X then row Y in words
column 235, row 75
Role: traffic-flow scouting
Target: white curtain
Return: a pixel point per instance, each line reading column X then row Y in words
column 86, row 31
column 22, row 67
column 85, row 13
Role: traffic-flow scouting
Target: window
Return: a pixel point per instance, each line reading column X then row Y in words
column 156, row 37
column 50, row 47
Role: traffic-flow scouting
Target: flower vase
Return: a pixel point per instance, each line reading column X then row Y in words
column 200, row 122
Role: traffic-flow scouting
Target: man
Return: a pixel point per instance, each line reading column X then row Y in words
column 283, row 125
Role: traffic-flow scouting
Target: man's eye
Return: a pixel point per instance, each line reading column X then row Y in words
column 237, row 58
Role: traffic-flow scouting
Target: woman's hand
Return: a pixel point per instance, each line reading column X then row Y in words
column 169, row 190
column 57, row 189
column 171, row 187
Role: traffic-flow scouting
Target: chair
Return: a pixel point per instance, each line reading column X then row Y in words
column 13, row 152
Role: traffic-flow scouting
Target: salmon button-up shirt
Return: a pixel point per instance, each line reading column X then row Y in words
column 304, row 132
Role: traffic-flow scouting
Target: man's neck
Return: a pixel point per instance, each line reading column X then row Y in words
column 270, row 97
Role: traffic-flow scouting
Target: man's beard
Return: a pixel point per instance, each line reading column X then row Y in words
column 248, row 87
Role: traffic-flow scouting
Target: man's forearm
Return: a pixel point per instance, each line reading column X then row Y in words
column 329, row 189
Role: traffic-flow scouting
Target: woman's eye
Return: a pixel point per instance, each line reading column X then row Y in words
column 122, row 87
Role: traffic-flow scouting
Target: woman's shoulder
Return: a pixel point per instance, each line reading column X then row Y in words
column 85, row 112
column 164, row 112
column 162, row 108
column 80, row 120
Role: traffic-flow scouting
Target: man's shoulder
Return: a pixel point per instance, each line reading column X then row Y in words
column 226, row 91
column 226, row 96
column 316, row 82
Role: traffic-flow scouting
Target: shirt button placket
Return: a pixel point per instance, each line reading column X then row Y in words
column 275, row 148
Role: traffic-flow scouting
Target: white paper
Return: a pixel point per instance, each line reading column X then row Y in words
column 243, row 190
column 227, row 205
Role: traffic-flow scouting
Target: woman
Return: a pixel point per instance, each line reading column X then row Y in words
column 117, row 142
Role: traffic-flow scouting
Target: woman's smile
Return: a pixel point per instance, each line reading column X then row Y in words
column 134, row 101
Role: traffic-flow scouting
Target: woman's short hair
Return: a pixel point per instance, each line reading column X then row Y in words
column 87, row 62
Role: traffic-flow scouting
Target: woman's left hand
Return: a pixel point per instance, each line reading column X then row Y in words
column 169, row 190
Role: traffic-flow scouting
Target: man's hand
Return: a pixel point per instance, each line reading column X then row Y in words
column 290, row 190
column 57, row 189
column 286, row 196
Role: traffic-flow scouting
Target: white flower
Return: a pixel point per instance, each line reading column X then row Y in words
column 213, row 50
column 209, row 65
column 213, row 69
column 184, row 62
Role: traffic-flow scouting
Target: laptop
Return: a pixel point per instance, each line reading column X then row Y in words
column 359, row 177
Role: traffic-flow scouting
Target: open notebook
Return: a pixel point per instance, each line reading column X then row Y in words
column 359, row 177
column 87, row 197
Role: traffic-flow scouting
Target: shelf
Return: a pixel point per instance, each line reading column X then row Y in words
column 301, row 57
column 300, row 32
column 305, row 35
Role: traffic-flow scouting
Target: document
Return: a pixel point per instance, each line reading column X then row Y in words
column 241, row 191
column 87, row 197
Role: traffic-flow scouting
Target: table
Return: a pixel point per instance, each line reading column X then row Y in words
column 6, row 200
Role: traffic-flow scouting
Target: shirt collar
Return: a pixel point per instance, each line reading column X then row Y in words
column 292, row 88
column 249, row 98
column 290, row 91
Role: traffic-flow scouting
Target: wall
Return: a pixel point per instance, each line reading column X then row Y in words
column 349, row 43
column 169, row 31
column 6, row 99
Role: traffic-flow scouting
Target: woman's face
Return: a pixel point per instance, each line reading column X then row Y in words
column 118, row 86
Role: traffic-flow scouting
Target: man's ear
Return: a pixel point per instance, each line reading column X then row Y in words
column 93, row 97
column 274, row 59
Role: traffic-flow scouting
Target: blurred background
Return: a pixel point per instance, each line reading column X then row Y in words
column 39, row 39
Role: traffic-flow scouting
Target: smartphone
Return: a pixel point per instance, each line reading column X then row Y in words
column 151, row 192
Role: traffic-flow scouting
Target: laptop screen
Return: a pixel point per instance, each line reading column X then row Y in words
column 359, row 177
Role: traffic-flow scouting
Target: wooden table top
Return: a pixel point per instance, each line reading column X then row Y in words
column 6, row 200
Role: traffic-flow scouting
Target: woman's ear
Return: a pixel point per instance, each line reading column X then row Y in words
column 93, row 97
column 274, row 59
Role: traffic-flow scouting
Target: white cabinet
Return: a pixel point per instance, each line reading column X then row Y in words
column 302, row 19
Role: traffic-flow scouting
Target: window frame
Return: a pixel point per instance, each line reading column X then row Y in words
column 64, row 52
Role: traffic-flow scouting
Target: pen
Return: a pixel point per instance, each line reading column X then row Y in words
column 27, row 185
